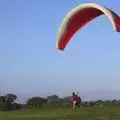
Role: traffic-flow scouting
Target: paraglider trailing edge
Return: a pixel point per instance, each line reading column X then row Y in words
column 80, row 16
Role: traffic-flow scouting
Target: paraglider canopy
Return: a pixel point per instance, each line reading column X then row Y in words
column 79, row 17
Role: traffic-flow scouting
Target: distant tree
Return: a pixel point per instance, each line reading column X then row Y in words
column 10, row 98
column 99, row 102
column 2, row 101
column 107, row 101
column 53, row 98
column 35, row 102
column 114, row 101
column 7, row 101
column 16, row 106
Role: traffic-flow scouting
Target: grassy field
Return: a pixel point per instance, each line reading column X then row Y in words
column 107, row 112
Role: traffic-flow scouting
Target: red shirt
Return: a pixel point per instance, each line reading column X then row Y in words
column 74, row 98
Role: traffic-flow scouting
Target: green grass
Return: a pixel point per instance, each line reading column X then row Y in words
column 107, row 112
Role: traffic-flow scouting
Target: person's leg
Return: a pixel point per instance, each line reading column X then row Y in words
column 74, row 105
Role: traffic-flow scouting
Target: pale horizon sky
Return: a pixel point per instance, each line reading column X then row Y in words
column 30, row 64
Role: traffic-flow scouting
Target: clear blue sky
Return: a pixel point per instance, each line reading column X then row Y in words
column 31, row 64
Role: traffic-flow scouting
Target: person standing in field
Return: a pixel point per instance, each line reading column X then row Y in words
column 74, row 100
